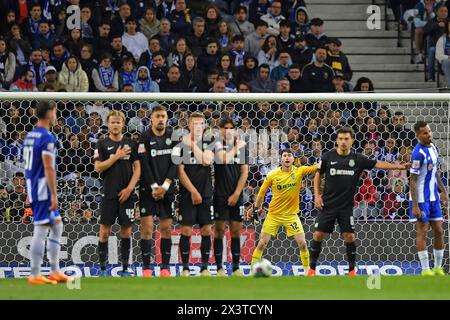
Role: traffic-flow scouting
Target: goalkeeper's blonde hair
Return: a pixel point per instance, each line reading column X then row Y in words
column 116, row 113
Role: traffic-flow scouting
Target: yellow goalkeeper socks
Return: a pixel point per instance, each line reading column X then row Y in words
column 257, row 254
column 304, row 258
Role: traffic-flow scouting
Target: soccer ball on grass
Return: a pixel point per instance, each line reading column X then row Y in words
column 262, row 268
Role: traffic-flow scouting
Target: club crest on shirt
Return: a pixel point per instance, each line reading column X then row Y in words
column 351, row 163
column 168, row 141
column 293, row 176
column 416, row 164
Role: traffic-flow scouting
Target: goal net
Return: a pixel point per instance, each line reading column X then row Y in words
column 305, row 123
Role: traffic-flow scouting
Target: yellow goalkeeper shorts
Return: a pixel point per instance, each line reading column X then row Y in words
column 292, row 225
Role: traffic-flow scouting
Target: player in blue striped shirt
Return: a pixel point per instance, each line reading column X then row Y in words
column 426, row 193
column 39, row 153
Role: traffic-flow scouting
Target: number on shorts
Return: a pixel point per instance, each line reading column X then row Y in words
column 294, row 226
column 242, row 211
column 130, row 214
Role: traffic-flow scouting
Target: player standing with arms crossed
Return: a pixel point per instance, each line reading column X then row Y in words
column 230, row 177
column 116, row 159
column 156, row 193
column 342, row 168
column 39, row 154
column 425, row 184
column 285, row 182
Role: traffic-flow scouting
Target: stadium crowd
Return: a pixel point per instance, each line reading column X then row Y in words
column 187, row 46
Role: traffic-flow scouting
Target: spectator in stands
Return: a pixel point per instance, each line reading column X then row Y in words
column 294, row 77
column 339, row 83
column 173, row 83
column 74, row 42
column 212, row 19
column 118, row 51
column 316, row 38
column 425, row 11
column 224, row 36
column 133, row 40
column 229, row 85
column 366, row 199
column 102, row 41
column 105, row 78
column 51, row 78
column 89, row 63
column 30, row 26
column 73, row 77
column 149, row 23
column 7, row 213
column 73, row 159
column 158, row 71
column 143, row 81
column 59, row 55
column 166, row 36
column 225, row 65
column 263, row 83
column 194, row 79
column 249, row 71
column 269, row 52
column 77, row 118
column 238, row 53
column 7, row 65
column 210, row 58
column 59, row 21
column 311, row 130
column 24, row 83
column 87, row 24
column 318, row 76
column 285, row 39
column 404, row 136
column 37, row 66
column 20, row 46
column 244, row 87
column 273, row 18
column 255, row 40
column 390, row 151
column 301, row 54
column 118, row 23
column 127, row 73
column 181, row 18
column 316, row 147
column 395, row 201
column 240, row 25
column 365, row 85
column 140, row 121
column 180, row 50
column 256, row 10
column 45, row 36
column 219, row 86
column 9, row 17
column 197, row 41
column 337, row 60
column 282, row 68
column 283, row 86
column 443, row 52
column 432, row 32
column 301, row 24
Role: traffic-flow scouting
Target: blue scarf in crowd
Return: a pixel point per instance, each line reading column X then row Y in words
column 145, row 84
column 106, row 76
column 49, row 6
column 129, row 77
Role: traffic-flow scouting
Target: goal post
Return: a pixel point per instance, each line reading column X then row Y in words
column 269, row 122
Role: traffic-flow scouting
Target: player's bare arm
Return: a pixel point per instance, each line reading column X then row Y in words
column 318, row 201
column 414, row 195
column 50, row 176
column 442, row 189
column 384, row 165
column 124, row 194
column 186, row 182
column 102, row 166
column 233, row 199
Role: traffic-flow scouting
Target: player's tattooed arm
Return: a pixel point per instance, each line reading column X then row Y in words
column 414, row 195
column 441, row 187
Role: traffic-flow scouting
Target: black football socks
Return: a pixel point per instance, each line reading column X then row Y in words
column 314, row 251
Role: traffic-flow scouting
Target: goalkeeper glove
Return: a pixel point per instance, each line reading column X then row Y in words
column 255, row 217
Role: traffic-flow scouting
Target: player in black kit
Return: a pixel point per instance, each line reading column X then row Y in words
column 157, row 192
column 342, row 168
column 195, row 206
column 116, row 160
column 230, row 177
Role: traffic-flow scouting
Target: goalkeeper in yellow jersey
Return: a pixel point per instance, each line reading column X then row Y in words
column 285, row 182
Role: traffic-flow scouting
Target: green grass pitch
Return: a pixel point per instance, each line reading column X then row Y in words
column 200, row 288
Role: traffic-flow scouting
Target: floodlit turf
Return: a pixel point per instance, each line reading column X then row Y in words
column 286, row 288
